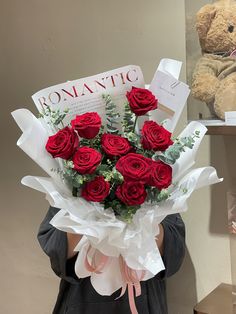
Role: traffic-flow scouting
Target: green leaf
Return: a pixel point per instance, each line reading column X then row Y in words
column 55, row 117
column 103, row 167
column 112, row 116
column 173, row 152
column 163, row 195
column 128, row 119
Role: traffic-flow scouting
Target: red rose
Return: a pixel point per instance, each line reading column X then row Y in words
column 134, row 167
column 96, row 190
column 86, row 160
column 115, row 145
column 131, row 193
column 62, row 144
column 161, row 175
column 141, row 100
column 155, row 137
column 87, row 124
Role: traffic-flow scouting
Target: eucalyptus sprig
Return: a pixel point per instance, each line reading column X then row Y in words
column 128, row 122
column 54, row 117
column 156, row 196
column 133, row 138
column 112, row 115
column 73, row 178
column 124, row 212
column 173, row 152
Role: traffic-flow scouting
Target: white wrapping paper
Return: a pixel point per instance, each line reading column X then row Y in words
column 101, row 228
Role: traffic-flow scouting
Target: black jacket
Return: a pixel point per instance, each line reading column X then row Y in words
column 77, row 296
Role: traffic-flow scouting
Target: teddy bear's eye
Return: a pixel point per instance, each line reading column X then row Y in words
column 231, row 28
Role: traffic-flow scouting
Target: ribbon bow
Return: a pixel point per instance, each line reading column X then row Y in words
column 131, row 277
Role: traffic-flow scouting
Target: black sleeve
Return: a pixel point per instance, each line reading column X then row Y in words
column 174, row 244
column 54, row 244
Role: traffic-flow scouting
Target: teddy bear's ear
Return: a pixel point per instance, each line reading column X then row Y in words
column 205, row 17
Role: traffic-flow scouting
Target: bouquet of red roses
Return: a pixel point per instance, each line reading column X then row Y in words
column 115, row 177
column 117, row 166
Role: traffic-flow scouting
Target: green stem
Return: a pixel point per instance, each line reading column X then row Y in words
column 135, row 121
column 75, row 191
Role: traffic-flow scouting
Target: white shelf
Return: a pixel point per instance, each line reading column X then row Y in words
column 218, row 127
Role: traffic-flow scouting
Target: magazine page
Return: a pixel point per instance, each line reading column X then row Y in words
column 85, row 94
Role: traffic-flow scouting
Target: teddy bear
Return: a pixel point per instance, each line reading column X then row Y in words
column 214, row 77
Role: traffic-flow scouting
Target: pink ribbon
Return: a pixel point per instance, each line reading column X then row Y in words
column 130, row 276
column 98, row 261
column 132, row 279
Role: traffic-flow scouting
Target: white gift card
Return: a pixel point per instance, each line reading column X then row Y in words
column 172, row 96
column 171, row 67
column 230, row 117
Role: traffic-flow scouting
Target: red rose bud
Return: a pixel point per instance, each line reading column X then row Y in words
column 86, row 160
column 161, row 175
column 155, row 137
column 63, row 144
column 131, row 193
column 115, row 145
column 87, row 125
column 134, row 167
column 96, row 190
column 141, row 100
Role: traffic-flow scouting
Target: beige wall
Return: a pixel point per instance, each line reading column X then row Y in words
column 48, row 42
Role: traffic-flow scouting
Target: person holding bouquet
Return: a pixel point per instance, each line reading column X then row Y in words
column 113, row 232
column 77, row 296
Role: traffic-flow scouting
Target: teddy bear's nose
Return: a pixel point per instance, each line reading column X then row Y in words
column 231, row 28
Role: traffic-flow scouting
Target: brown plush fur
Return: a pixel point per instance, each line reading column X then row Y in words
column 214, row 78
